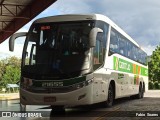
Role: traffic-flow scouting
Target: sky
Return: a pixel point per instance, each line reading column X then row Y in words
column 138, row 18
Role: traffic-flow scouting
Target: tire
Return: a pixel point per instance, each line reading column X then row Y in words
column 58, row 109
column 109, row 101
column 22, row 108
column 141, row 92
column 133, row 97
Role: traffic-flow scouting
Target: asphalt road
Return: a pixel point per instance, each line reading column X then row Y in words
column 123, row 109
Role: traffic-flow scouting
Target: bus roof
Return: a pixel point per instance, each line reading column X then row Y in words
column 77, row 17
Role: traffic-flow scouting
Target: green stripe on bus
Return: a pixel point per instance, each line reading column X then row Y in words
column 74, row 81
column 128, row 67
column 144, row 71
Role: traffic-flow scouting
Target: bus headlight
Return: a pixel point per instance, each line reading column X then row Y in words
column 88, row 82
column 82, row 84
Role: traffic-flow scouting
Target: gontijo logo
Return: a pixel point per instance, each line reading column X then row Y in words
column 126, row 66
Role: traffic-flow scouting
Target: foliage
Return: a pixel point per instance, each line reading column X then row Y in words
column 9, row 71
column 151, row 85
column 154, row 65
column 156, row 85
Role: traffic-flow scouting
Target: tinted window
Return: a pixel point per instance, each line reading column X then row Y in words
column 118, row 43
column 104, row 27
column 121, row 45
column 114, row 46
column 100, row 48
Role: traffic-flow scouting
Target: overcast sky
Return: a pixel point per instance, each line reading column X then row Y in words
column 138, row 18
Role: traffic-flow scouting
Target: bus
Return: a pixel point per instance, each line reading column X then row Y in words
column 79, row 59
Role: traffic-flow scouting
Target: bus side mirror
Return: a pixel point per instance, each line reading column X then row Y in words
column 93, row 36
column 12, row 39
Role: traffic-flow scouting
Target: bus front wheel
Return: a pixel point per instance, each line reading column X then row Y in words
column 22, row 107
column 58, row 109
column 109, row 101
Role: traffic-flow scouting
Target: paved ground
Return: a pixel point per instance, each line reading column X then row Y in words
column 123, row 108
column 152, row 93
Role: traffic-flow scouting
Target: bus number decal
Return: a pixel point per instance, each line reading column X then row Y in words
column 52, row 84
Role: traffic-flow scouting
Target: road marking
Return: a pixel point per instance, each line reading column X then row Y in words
column 108, row 112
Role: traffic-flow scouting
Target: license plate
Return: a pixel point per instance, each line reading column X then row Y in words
column 49, row 99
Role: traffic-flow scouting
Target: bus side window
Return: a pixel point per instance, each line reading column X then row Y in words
column 135, row 53
column 113, row 48
column 118, row 43
column 100, row 48
column 122, row 46
column 129, row 50
column 98, row 55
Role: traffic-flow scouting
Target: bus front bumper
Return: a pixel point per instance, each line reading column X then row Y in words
column 82, row 96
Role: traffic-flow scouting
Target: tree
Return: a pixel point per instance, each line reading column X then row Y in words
column 154, row 65
column 9, row 71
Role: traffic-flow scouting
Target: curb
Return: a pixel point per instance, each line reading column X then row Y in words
column 152, row 93
column 9, row 96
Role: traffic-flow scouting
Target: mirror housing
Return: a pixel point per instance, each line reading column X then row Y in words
column 13, row 37
column 93, row 35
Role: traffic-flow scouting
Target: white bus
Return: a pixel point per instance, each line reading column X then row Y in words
column 72, row 60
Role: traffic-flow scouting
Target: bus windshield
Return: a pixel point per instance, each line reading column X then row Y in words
column 57, row 49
